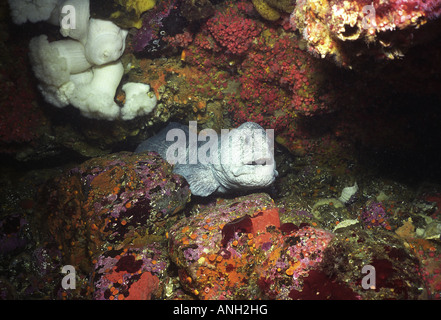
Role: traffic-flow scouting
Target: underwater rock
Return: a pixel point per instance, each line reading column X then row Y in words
column 396, row 267
column 265, row 10
column 330, row 212
column 350, row 31
column 109, row 202
column 125, row 13
column 282, row 5
column 130, row 273
column 182, row 91
column 139, row 6
column 30, row 263
column 12, row 234
column 223, row 251
column 432, row 231
column 194, row 10
column 210, row 268
column 238, row 249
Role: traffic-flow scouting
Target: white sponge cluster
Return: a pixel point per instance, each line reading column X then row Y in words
column 139, row 100
column 84, row 71
column 30, row 10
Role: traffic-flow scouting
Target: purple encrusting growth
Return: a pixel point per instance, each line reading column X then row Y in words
column 192, row 254
column 374, row 215
column 142, row 37
column 151, row 25
column 11, row 233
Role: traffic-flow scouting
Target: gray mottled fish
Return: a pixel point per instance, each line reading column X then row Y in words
column 238, row 159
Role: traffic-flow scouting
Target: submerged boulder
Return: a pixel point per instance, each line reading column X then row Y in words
column 110, row 203
column 241, row 248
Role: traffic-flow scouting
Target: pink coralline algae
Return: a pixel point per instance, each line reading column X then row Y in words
column 278, row 85
column 279, row 63
column 233, row 31
column 332, row 27
column 179, row 40
column 260, row 71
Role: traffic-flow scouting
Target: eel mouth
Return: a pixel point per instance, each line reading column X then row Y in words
column 252, row 167
column 259, row 162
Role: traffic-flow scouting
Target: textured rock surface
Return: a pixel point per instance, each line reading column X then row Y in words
column 111, row 202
